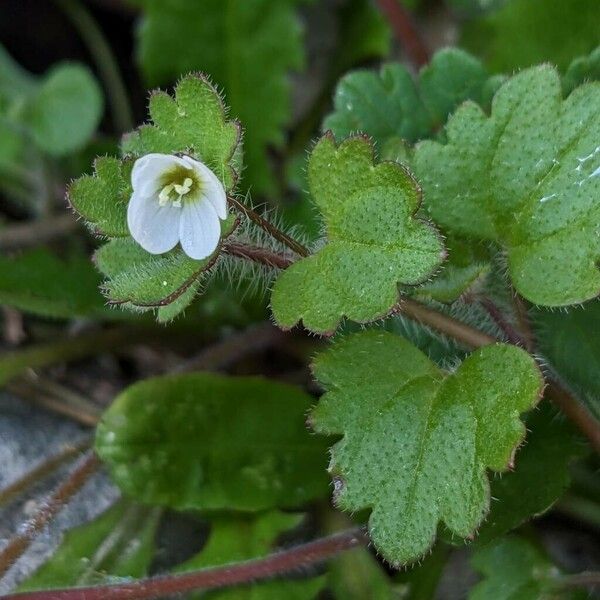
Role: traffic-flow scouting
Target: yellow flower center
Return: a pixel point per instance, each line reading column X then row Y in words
column 178, row 183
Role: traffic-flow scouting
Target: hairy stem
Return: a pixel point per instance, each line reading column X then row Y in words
column 44, row 469
column 257, row 254
column 105, row 61
column 273, row 231
column 406, row 32
column 212, row 578
column 472, row 337
column 512, row 335
column 63, row 493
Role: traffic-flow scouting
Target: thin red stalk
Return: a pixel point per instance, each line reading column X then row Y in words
column 257, row 254
column 207, row 579
column 512, row 335
column 406, row 31
column 29, row 531
column 273, row 231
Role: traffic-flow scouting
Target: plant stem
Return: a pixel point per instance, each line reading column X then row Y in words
column 257, row 254
column 212, row 578
column 472, row 337
column 105, row 61
column 273, row 231
column 406, row 32
column 495, row 313
column 37, row 232
column 11, row 491
column 28, row 532
column 579, row 508
column 585, row 579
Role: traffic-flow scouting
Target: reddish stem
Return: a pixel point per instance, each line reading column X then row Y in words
column 496, row 314
column 406, row 31
column 257, row 254
column 212, row 578
column 63, row 493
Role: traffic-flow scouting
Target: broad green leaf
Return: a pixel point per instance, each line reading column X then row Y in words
column 571, row 343
column 40, row 283
column 374, row 241
column 206, row 441
column 119, row 543
column 236, row 538
column 249, row 48
column 393, row 104
column 527, row 32
column 582, row 70
column 193, row 122
column 540, row 475
column 526, row 177
column 145, row 280
column 515, row 569
column 102, row 199
column 417, row 441
column 65, row 111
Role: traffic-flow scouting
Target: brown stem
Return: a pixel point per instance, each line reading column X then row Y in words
column 523, row 321
column 406, row 32
column 63, row 493
column 37, row 232
column 512, row 335
column 273, row 231
column 470, row 336
column 47, row 467
column 212, row 578
column 258, row 254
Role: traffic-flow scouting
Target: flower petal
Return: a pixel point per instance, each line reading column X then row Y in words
column 213, row 190
column 199, row 230
column 155, row 228
column 147, row 171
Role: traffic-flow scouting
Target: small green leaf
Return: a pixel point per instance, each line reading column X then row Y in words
column 40, row 283
column 571, row 344
column 528, row 32
column 235, row 538
column 374, row 241
column 540, row 475
column 102, row 199
column 392, row 104
column 194, row 122
column 119, row 543
column 514, row 569
column 417, row 442
column 582, row 70
column 525, row 177
column 211, row 442
column 65, row 111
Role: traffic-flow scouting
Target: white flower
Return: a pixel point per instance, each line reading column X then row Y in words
column 175, row 199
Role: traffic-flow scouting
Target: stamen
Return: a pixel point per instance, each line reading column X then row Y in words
column 163, row 197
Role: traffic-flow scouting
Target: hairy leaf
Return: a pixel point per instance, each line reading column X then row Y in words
column 248, row 48
column 193, row 122
column 392, row 104
column 514, row 569
column 211, row 442
column 40, row 283
column 540, row 475
column 244, row 537
column 526, row 32
column 417, row 441
column 526, row 177
column 374, row 241
column 119, row 543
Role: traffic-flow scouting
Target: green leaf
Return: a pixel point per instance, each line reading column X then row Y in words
column 211, row 442
column 582, row 70
column 392, row 104
column 236, row 538
column 514, row 569
column 102, row 199
column 248, row 48
column 569, row 341
column 194, row 122
column 374, row 241
column 540, row 476
column 416, row 441
column 65, row 111
column 119, row 543
column 141, row 279
column 527, row 178
column 526, row 32
column 40, row 283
